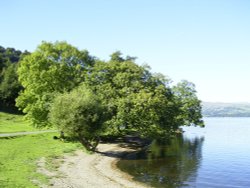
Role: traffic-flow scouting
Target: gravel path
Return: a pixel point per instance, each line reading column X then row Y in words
column 25, row 133
column 96, row 170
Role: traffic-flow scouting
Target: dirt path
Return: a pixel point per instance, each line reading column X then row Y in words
column 94, row 170
column 25, row 133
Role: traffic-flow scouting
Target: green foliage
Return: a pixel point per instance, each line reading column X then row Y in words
column 52, row 68
column 134, row 98
column 9, row 85
column 116, row 56
column 79, row 114
column 188, row 104
column 19, row 156
column 140, row 101
column 9, row 55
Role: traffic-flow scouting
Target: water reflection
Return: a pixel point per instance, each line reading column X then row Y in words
column 171, row 165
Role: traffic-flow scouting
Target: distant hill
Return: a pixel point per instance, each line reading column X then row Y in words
column 210, row 109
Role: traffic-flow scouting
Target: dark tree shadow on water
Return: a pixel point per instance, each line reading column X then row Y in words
column 170, row 165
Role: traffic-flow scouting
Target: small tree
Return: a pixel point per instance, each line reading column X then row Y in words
column 80, row 115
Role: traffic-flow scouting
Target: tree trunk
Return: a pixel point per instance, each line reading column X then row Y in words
column 91, row 146
column 62, row 136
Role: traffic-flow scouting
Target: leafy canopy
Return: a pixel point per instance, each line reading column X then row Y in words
column 79, row 114
column 53, row 68
column 77, row 91
column 140, row 101
column 9, row 85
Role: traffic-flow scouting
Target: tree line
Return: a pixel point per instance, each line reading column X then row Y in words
column 9, row 84
column 213, row 109
column 85, row 97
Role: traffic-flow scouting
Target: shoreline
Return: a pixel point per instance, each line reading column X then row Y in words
column 95, row 170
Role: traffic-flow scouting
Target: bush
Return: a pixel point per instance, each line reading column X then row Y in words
column 80, row 115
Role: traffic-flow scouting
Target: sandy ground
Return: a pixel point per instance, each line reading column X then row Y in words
column 96, row 170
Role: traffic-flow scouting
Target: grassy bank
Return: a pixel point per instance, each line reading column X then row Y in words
column 18, row 157
column 14, row 123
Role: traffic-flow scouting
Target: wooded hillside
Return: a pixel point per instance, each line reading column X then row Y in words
column 210, row 109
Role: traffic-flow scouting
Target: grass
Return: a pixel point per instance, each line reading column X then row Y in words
column 18, row 157
column 14, row 123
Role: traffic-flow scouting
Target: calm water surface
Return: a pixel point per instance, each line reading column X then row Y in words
column 215, row 156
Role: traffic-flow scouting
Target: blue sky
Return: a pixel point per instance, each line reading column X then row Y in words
column 204, row 41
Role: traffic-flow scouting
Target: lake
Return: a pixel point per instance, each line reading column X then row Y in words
column 215, row 156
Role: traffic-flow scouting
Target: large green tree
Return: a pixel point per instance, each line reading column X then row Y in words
column 52, row 68
column 134, row 99
column 140, row 101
